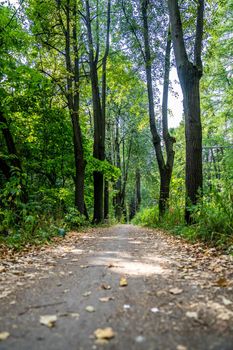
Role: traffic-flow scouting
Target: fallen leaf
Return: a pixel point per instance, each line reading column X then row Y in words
column 181, row 347
column 4, row 335
column 225, row 300
column 48, row 320
column 106, row 299
column 224, row 316
column 175, row 291
column 221, row 282
column 90, row 308
column 84, row 266
column 104, row 333
column 123, row 282
column 154, row 309
column 140, row 339
column 106, row 286
column 86, row 294
column 2, row 269
column 66, row 290
column 192, row 314
column 75, row 315
column 5, row 293
column 110, row 265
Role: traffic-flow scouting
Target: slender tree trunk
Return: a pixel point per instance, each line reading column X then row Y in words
column 104, row 90
column 117, row 200
column 15, row 161
column 165, row 168
column 99, row 123
column 168, row 139
column 138, row 190
column 189, row 76
column 73, row 104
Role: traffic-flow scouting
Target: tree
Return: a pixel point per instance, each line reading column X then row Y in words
column 98, row 107
column 165, row 167
column 56, row 26
column 190, row 74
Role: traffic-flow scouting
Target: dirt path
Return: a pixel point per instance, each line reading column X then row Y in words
column 178, row 296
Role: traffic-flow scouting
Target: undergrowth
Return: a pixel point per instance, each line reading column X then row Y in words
column 213, row 220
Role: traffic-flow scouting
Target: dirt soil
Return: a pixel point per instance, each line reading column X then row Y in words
column 174, row 295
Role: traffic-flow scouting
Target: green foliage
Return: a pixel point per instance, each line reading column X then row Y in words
column 73, row 219
column 213, row 219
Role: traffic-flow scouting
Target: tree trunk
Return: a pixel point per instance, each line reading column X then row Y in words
column 99, row 123
column 165, row 169
column 73, row 105
column 104, row 89
column 15, row 161
column 189, row 76
column 106, row 199
column 193, row 137
column 118, row 186
column 138, row 190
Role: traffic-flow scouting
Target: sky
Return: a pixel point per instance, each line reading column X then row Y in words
column 175, row 103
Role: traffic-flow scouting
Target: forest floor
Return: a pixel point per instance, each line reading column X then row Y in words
column 153, row 292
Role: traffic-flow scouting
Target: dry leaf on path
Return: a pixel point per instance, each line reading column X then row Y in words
column 90, row 308
column 225, row 316
column 106, row 299
column 2, row 269
column 4, row 335
column 221, row 282
column 84, row 266
column 154, row 310
column 225, row 301
column 123, row 282
column 181, row 347
column 140, row 339
column 192, row 314
column 106, row 286
column 176, row 291
column 104, row 333
column 48, row 320
column 86, row 294
column 110, row 265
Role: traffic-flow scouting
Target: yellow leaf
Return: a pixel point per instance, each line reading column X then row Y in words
column 123, row 282
column 105, row 299
column 4, row 335
column 104, row 333
column 175, row 291
column 222, row 282
column 90, row 308
column 48, row 320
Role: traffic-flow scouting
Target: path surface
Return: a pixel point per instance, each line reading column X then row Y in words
column 178, row 296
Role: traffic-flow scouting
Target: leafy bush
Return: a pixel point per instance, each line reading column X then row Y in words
column 213, row 219
column 74, row 219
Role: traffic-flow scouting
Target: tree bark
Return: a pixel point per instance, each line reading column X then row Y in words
column 165, row 168
column 99, row 122
column 104, row 91
column 73, row 104
column 189, row 76
column 138, row 191
column 15, row 162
